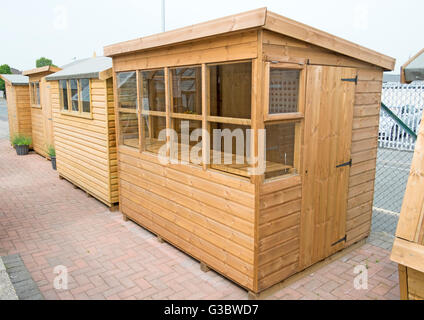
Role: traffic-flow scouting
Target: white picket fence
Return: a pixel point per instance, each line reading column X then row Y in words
column 406, row 101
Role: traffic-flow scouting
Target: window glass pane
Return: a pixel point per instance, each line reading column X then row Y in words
column 128, row 123
column 127, row 90
column 283, row 90
column 230, row 90
column 187, row 90
column 230, row 145
column 187, row 141
column 280, row 149
column 37, row 89
column 63, row 94
column 74, row 94
column 153, row 90
column 33, row 94
column 85, row 94
column 154, row 133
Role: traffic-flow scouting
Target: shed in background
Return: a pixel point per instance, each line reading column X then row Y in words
column 408, row 248
column 84, row 127
column 41, row 109
column 18, row 104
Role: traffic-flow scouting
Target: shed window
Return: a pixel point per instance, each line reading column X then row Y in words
column 127, row 107
column 35, row 93
column 153, row 109
column 85, row 94
column 283, row 90
column 230, row 117
column 75, row 93
column 186, row 90
column 281, row 149
column 186, row 141
column 63, row 87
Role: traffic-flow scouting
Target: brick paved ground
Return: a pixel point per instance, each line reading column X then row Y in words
column 49, row 223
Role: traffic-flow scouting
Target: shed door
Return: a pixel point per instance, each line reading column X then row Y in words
column 330, row 93
column 47, row 112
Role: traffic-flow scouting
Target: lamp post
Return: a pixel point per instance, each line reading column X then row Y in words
column 163, row 15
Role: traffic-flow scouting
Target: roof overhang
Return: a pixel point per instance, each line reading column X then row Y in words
column 44, row 69
column 103, row 75
column 8, row 79
column 255, row 19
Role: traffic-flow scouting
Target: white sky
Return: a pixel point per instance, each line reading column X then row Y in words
column 66, row 29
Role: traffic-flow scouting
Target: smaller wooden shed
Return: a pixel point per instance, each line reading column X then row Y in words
column 18, row 107
column 84, row 127
column 41, row 109
column 408, row 248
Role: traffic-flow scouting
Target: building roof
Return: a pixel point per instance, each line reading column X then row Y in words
column 256, row 19
column 388, row 77
column 413, row 69
column 15, row 79
column 40, row 70
column 93, row 68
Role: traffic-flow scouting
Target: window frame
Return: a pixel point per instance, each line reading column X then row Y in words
column 255, row 122
column 302, row 90
column 34, row 97
column 75, row 113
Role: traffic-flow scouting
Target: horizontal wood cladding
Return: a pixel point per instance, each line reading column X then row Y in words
column 415, row 284
column 19, row 111
column 279, row 230
column 232, row 47
column 85, row 148
column 364, row 154
column 184, row 205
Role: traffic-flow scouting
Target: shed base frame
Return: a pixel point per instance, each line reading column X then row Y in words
column 112, row 206
column 251, row 295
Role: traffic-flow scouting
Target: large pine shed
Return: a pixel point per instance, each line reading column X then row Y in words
column 317, row 96
column 408, row 248
column 41, row 109
column 18, row 107
column 84, row 127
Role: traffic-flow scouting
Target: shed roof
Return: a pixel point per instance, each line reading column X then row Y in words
column 41, row 70
column 413, row 69
column 15, row 79
column 93, row 68
column 259, row 18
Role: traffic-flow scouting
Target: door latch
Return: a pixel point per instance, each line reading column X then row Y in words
column 345, row 164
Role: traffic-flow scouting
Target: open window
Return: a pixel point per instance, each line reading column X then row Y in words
column 127, row 108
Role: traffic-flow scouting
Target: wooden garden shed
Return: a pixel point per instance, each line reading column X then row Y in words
column 41, row 109
column 18, row 107
column 84, row 127
column 408, row 248
column 317, row 96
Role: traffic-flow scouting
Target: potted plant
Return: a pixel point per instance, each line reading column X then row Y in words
column 51, row 151
column 21, row 144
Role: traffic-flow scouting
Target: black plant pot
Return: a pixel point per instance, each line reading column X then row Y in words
column 53, row 162
column 22, row 150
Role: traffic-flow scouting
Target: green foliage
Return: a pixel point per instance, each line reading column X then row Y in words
column 42, row 62
column 51, row 151
column 21, row 140
column 4, row 69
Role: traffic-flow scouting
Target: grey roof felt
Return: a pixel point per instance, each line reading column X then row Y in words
column 16, row 79
column 415, row 70
column 84, row 68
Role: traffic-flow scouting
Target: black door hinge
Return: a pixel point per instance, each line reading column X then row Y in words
column 351, row 80
column 345, row 164
column 340, row 241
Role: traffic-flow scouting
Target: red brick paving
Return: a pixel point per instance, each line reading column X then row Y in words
column 50, row 223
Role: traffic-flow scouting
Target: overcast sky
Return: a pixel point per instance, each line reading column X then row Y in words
column 63, row 30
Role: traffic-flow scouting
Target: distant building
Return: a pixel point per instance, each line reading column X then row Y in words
column 15, row 71
column 389, row 77
column 413, row 69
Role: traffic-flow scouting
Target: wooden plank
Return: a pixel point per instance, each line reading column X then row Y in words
column 415, row 283
column 403, row 282
column 408, row 254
